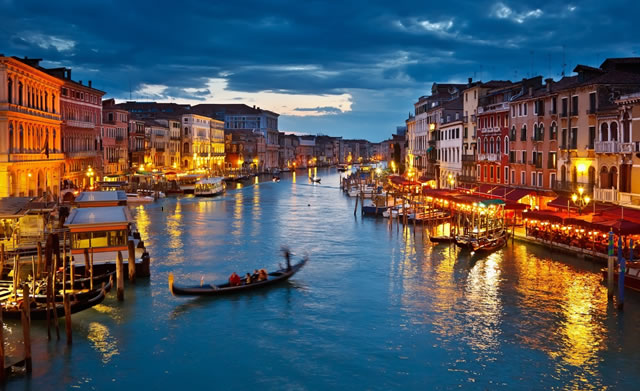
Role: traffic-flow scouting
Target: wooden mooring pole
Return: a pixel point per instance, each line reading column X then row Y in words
column 2, row 370
column 132, row 261
column 26, row 327
column 119, row 278
column 67, row 318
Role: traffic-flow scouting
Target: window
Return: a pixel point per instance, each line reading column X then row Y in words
column 498, row 145
column 534, row 179
column 574, row 105
column 466, row 134
column 553, row 131
column 513, row 111
column 497, row 174
column 506, row 175
column 554, row 105
column 552, row 179
column 525, row 108
column 552, row 161
column 506, row 146
column 523, row 178
column 540, row 179
column 513, row 133
column 592, row 103
column 574, row 138
column 491, row 149
column 565, row 105
column 523, row 133
column 592, row 136
column 491, row 173
column 513, row 176
column 564, row 139
column 524, row 157
column 478, row 171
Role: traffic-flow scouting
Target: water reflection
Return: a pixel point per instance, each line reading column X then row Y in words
column 102, row 341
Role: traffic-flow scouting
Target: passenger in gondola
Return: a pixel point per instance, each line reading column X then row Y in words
column 287, row 256
column 234, row 279
column 255, row 275
column 262, row 275
column 247, row 279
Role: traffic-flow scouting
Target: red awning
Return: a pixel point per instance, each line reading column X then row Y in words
column 619, row 227
column 544, row 215
column 485, row 188
column 517, row 194
column 509, row 205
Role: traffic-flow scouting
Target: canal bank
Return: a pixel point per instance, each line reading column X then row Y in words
column 375, row 308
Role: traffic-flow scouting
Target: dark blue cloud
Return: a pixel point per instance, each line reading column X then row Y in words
column 390, row 50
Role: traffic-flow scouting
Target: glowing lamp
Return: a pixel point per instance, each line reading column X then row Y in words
column 581, row 168
column 574, row 197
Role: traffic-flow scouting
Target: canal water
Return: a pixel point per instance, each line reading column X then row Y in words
column 377, row 307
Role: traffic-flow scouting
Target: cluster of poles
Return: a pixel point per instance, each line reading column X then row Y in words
column 46, row 269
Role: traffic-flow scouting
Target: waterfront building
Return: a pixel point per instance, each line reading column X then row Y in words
column 244, row 149
column 430, row 112
column 450, row 152
column 158, row 131
column 114, row 141
column 327, row 150
column 31, row 157
column 217, row 146
column 492, row 164
column 196, row 141
column 583, row 136
column 247, row 118
column 287, row 152
column 625, row 192
column 305, row 151
column 137, row 146
column 81, row 112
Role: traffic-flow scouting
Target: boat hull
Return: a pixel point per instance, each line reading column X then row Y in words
column 631, row 278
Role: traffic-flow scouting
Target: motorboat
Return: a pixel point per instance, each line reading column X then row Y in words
column 138, row 199
column 315, row 179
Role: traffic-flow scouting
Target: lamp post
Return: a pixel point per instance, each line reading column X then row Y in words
column 581, row 200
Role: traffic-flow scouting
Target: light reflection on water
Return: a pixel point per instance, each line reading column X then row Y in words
column 378, row 307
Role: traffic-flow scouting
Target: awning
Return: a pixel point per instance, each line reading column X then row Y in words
column 562, row 202
column 485, row 188
column 510, row 205
column 491, row 201
column 619, row 227
column 544, row 215
column 518, row 194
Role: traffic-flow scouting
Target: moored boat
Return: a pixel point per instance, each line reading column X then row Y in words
column 442, row 239
column 138, row 199
column 223, row 289
column 38, row 311
column 631, row 275
column 489, row 245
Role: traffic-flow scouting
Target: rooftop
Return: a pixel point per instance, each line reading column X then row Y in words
column 111, row 215
column 101, row 196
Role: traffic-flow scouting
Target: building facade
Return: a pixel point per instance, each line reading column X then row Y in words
column 114, row 140
column 31, row 157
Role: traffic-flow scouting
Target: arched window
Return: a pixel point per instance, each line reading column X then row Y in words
column 9, row 91
column 185, row 148
column 46, row 101
column 498, row 145
column 626, row 131
column 21, row 139
column 614, row 131
column 491, row 146
column 523, row 133
column 10, row 137
column 592, row 176
column 506, row 145
column 54, row 145
column 541, row 132
column 553, row 131
column 563, row 174
column 53, row 103
column 513, row 133
column 574, row 174
column 486, row 149
column 535, row 131
column 20, row 92
column 604, row 132
column 613, row 177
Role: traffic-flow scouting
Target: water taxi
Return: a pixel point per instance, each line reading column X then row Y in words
column 208, row 187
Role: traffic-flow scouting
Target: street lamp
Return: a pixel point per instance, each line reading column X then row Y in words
column 581, row 200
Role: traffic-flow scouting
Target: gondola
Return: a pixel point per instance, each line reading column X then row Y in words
column 39, row 312
column 489, row 246
column 464, row 242
column 223, row 289
column 441, row 239
column 78, row 294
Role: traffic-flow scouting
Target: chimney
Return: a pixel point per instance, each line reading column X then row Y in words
column 79, row 81
column 530, row 91
column 549, row 83
column 470, row 80
column 89, row 83
column 68, row 74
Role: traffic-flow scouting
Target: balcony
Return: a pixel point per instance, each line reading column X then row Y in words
column 570, row 187
column 468, row 158
column 465, row 118
column 80, row 124
column 30, row 111
column 492, row 157
column 629, row 147
column 605, row 195
column 592, row 111
column 607, row 147
column 34, row 157
column 563, row 114
column 493, row 107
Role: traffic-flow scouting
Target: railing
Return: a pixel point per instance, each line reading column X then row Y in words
column 568, row 186
column 468, row 158
column 492, row 157
column 605, row 195
column 607, row 147
column 25, row 157
column 27, row 110
column 563, row 114
column 628, row 147
column 80, row 124
column 493, row 107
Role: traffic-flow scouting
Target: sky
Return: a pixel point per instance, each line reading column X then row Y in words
column 351, row 69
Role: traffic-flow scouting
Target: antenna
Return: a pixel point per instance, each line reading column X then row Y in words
column 564, row 61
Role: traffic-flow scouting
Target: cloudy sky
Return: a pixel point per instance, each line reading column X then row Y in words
column 340, row 68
